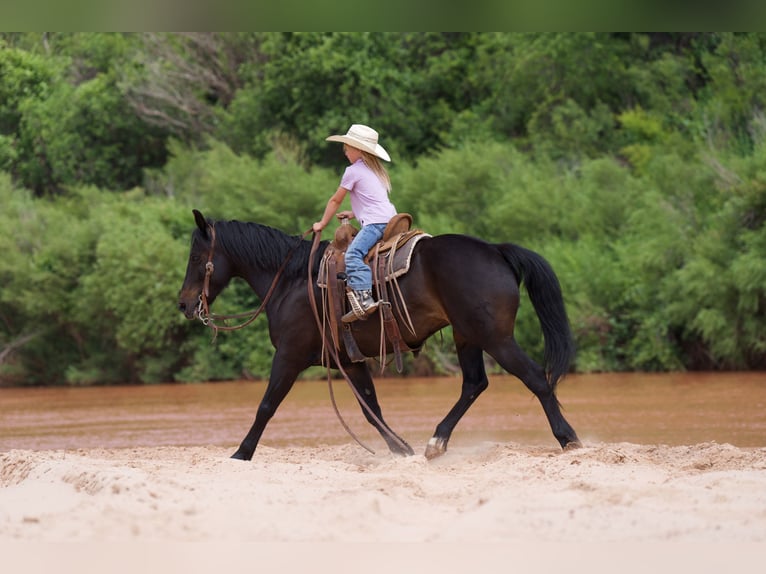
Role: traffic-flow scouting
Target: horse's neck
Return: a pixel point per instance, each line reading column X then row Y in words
column 260, row 282
column 259, row 255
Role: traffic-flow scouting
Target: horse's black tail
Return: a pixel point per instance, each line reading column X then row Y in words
column 545, row 293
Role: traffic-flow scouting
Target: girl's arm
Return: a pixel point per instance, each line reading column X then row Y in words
column 332, row 206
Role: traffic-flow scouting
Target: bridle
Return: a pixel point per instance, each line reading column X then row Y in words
column 203, row 309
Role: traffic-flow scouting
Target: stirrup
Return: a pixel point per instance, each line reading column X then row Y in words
column 362, row 305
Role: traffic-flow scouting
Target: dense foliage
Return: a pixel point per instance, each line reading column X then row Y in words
column 635, row 163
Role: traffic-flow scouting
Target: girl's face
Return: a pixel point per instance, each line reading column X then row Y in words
column 352, row 154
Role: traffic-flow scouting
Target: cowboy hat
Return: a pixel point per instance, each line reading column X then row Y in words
column 364, row 138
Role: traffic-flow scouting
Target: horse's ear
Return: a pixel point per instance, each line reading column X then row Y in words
column 201, row 222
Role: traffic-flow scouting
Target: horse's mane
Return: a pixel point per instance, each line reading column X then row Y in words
column 254, row 244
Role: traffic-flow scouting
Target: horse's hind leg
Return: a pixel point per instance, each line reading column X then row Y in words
column 514, row 360
column 361, row 378
column 474, row 382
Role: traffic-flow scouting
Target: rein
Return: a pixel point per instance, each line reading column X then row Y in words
column 203, row 310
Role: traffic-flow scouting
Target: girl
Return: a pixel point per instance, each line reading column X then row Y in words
column 368, row 185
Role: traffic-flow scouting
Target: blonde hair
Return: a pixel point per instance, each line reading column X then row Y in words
column 377, row 168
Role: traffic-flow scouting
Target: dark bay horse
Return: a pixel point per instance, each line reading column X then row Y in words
column 453, row 279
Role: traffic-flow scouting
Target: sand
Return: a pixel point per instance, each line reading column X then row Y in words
column 597, row 501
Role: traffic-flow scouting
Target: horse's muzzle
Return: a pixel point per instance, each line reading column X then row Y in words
column 189, row 311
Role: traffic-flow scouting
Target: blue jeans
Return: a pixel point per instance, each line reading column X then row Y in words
column 358, row 272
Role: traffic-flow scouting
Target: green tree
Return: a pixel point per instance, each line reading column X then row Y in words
column 275, row 191
column 85, row 134
column 25, row 77
column 305, row 86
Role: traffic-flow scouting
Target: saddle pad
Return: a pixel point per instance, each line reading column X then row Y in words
column 399, row 266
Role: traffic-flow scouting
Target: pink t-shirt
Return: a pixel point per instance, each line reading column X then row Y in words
column 369, row 197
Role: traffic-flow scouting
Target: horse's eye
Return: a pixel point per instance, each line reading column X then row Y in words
column 195, row 258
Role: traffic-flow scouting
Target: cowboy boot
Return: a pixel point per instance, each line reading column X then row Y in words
column 362, row 304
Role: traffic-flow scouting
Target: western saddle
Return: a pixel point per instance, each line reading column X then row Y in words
column 389, row 259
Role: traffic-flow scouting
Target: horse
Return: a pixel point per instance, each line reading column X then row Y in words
column 456, row 280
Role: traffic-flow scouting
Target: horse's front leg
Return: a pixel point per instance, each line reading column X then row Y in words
column 283, row 375
column 361, row 378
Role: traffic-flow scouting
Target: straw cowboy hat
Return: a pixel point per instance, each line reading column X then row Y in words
column 364, row 138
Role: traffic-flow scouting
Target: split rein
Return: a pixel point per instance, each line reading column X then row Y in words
column 208, row 319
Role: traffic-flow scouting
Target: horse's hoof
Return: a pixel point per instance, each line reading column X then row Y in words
column 399, row 446
column 574, row 445
column 435, row 447
column 239, row 455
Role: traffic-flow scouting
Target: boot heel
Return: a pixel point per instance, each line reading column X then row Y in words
column 362, row 305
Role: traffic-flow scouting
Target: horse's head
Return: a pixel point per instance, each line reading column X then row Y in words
column 206, row 271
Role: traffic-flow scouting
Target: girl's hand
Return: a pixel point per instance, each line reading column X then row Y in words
column 317, row 227
column 345, row 215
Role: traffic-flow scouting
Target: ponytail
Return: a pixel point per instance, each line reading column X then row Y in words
column 377, row 168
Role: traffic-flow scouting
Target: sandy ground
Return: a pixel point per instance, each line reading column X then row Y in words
column 610, row 497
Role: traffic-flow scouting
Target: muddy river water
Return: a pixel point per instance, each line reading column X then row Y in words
column 672, row 409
